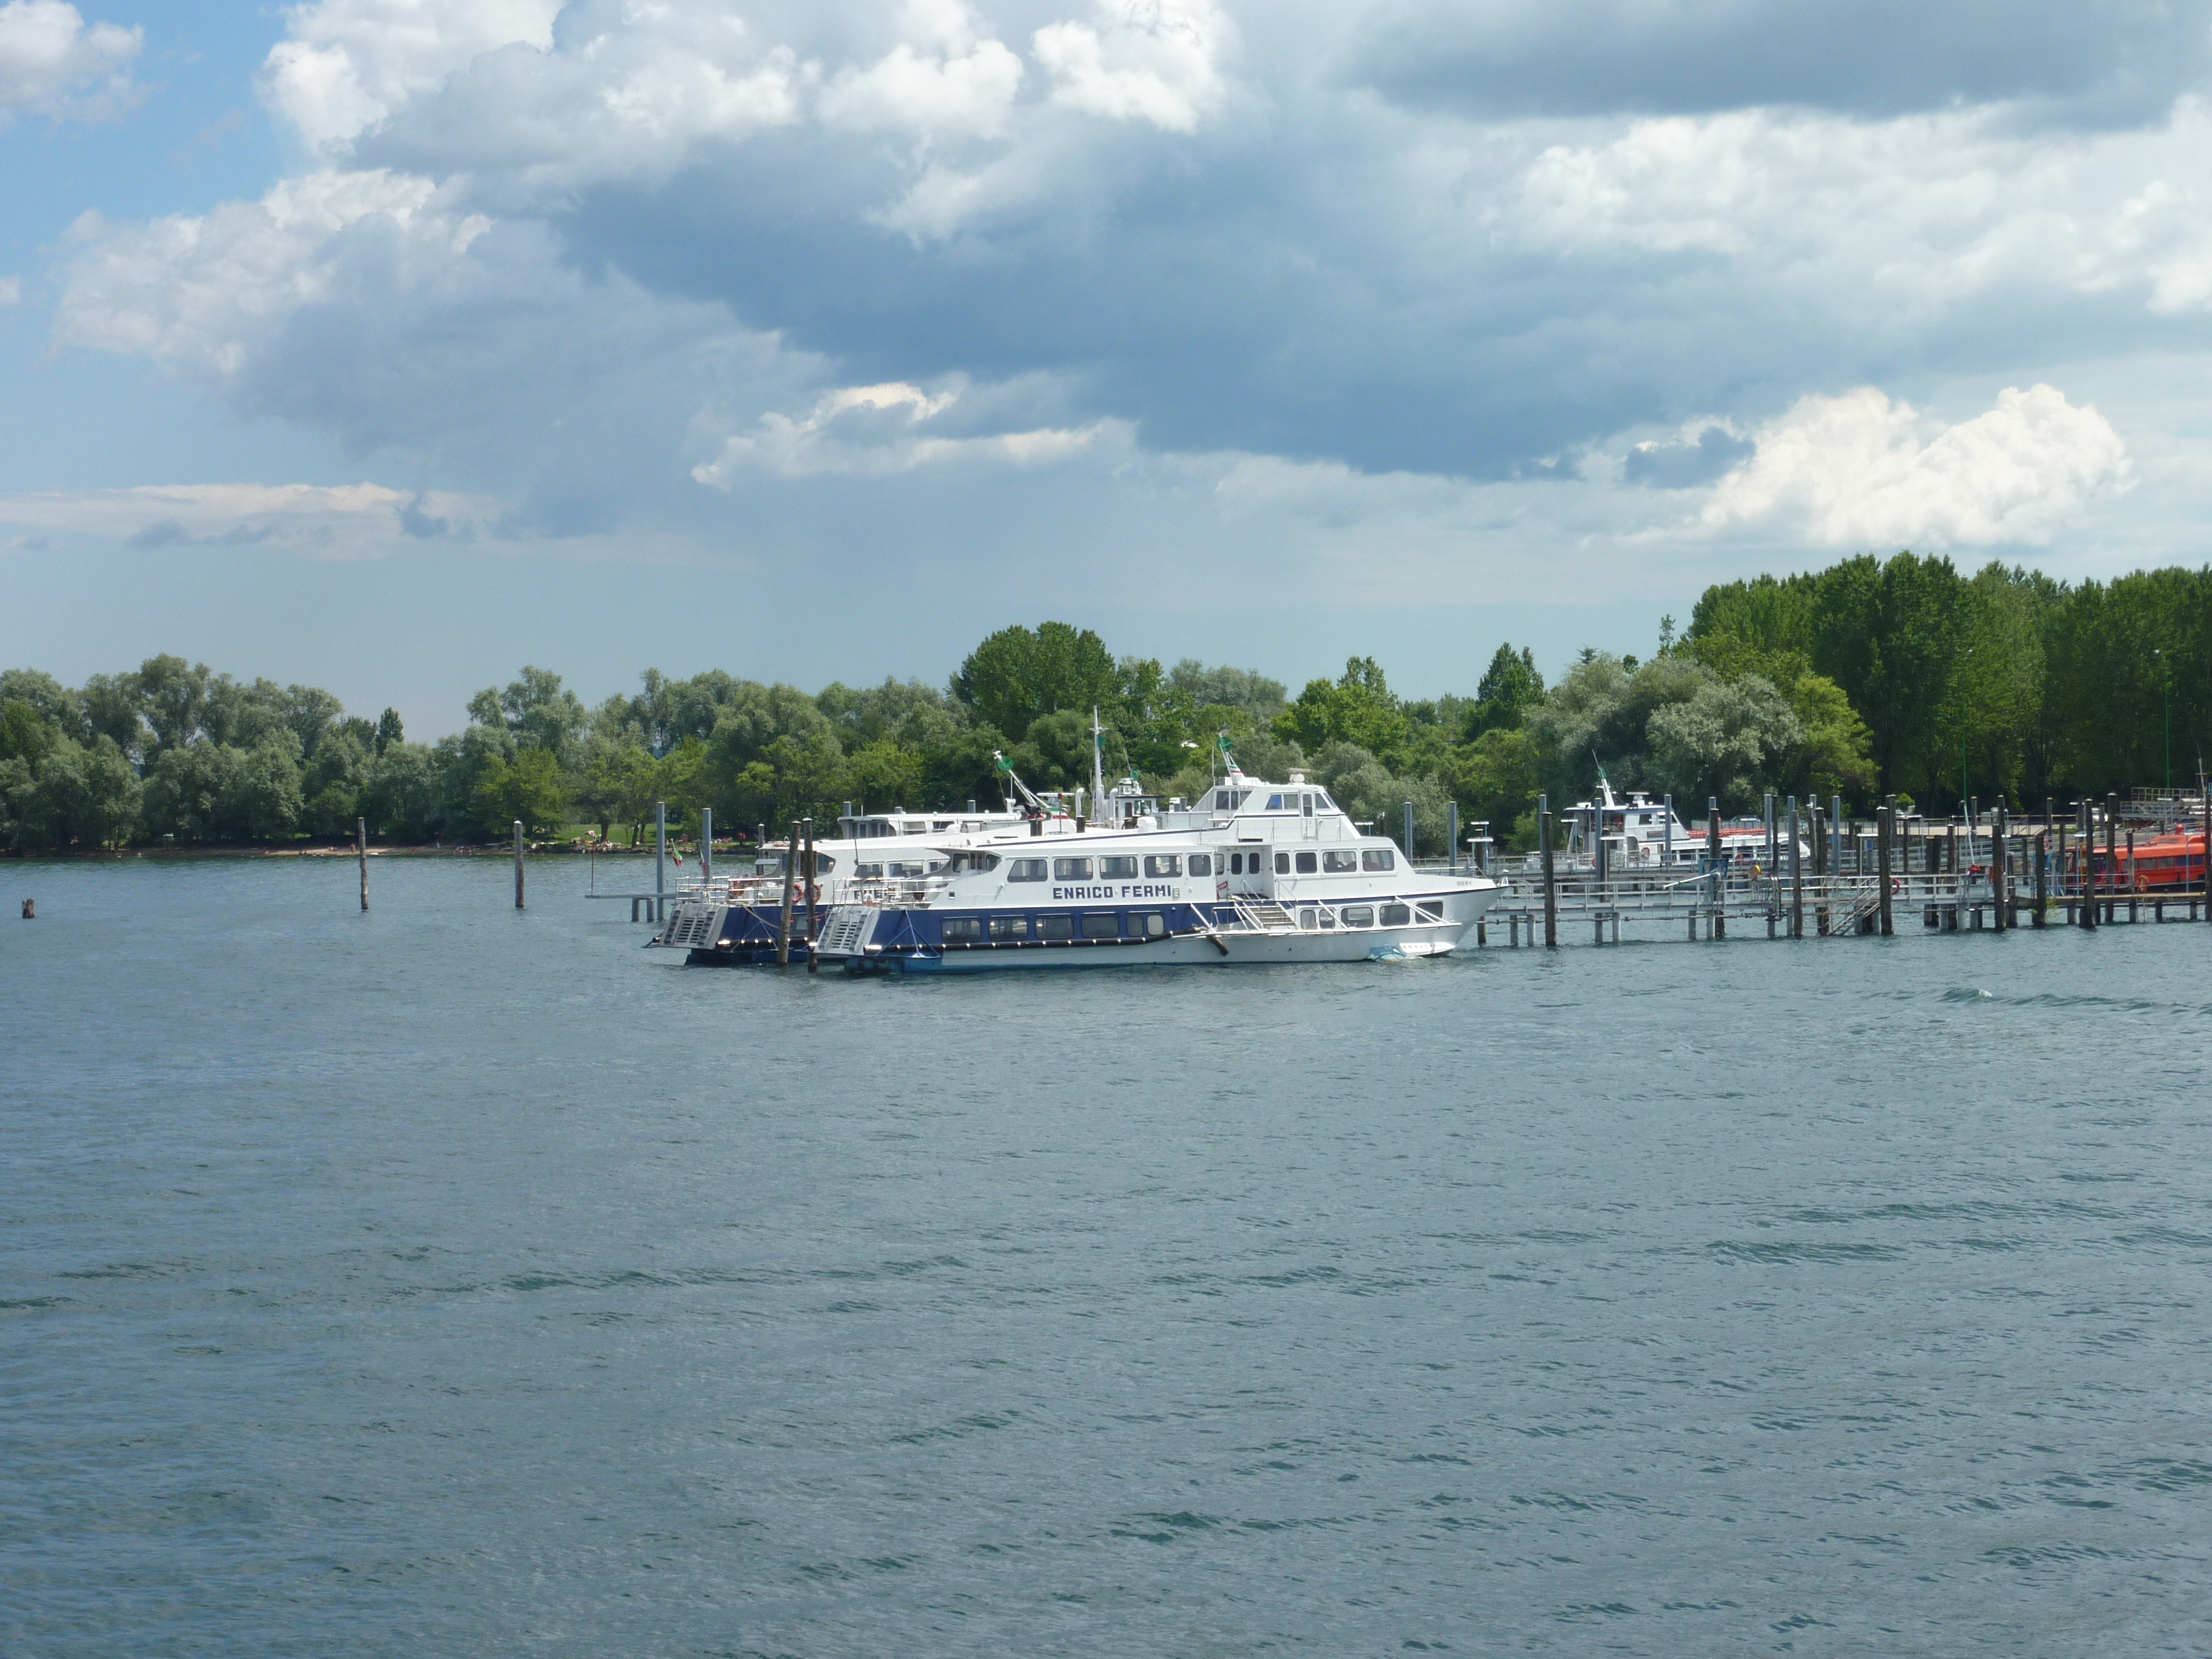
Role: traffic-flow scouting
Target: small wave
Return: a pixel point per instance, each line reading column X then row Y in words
column 1730, row 1250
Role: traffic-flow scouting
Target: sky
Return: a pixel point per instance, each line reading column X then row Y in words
column 389, row 345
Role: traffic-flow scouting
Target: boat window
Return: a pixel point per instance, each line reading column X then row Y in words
column 823, row 862
column 1147, row 924
column 1430, row 911
column 1058, row 925
column 869, row 872
column 1275, row 803
column 1101, row 924
column 1309, row 919
column 936, row 824
column 1307, row 803
column 1026, row 870
column 1396, row 916
column 1338, row 862
column 916, row 827
column 1222, row 801
column 1163, row 864
column 974, row 861
column 907, row 870
column 963, row 930
column 1307, row 863
column 1328, row 918
column 1377, row 857
column 1358, row 916
column 935, row 864
column 1201, row 864
column 1282, row 863
column 1116, row 867
column 1236, row 864
column 1010, row 927
column 1070, row 869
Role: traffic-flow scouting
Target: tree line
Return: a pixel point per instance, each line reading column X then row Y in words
column 1874, row 676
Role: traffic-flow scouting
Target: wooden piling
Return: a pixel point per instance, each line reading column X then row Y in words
column 1713, row 859
column 2042, row 876
column 1551, row 878
column 2085, row 887
column 30, row 910
column 1797, row 877
column 360, row 846
column 518, row 864
column 2000, row 867
column 2112, row 855
column 790, row 871
column 813, row 960
column 1885, row 833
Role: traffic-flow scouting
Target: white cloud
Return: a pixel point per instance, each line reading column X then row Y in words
column 943, row 78
column 1140, row 60
column 11, row 292
column 350, row 64
column 51, row 63
column 877, row 429
column 1860, row 470
column 199, row 291
column 346, row 521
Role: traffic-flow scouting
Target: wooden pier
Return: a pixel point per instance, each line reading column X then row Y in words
column 1980, row 871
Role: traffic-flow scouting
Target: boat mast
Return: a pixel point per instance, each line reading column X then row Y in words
column 1097, row 764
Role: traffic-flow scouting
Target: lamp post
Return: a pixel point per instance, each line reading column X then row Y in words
column 1968, row 655
column 2165, row 683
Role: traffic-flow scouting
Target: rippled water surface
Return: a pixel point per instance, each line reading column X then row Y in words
column 447, row 1281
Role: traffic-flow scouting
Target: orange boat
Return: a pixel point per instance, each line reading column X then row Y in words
column 2172, row 862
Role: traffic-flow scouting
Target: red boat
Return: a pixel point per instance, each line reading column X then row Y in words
column 2172, row 862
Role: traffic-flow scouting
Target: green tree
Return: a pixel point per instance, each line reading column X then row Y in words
column 1357, row 708
column 1018, row 674
column 526, row 786
column 1508, row 689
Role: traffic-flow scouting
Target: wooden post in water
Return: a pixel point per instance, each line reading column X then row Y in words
column 1713, row 859
column 660, row 860
column 2087, row 886
column 1885, row 832
column 2204, row 790
column 361, row 843
column 706, row 847
column 2042, row 875
column 2112, row 855
column 1551, row 884
column 2133, row 880
column 1797, row 878
column 813, row 963
column 518, row 864
column 783, row 927
column 2001, row 867
column 30, row 910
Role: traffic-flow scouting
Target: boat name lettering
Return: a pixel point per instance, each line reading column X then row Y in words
column 1149, row 890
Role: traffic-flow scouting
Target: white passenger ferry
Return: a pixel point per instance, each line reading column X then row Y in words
column 1255, row 871
column 733, row 917
column 1641, row 834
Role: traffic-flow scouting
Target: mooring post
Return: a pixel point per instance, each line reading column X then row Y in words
column 2112, row 855
column 2001, row 867
column 1797, row 879
column 813, row 891
column 790, row 871
column 360, row 844
column 1551, row 881
column 1713, row 858
column 2086, row 857
column 660, row 860
column 706, row 847
column 1409, row 832
column 2132, row 879
column 1667, row 835
column 518, row 864
column 1885, row 833
column 1773, row 859
column 2042, row 856
column 2204, row 791
column 30, row 910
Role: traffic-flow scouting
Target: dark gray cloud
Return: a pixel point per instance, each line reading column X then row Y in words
column 1684, row 464
column 2119, row 62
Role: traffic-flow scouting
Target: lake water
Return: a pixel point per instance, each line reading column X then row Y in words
column 453, row 1281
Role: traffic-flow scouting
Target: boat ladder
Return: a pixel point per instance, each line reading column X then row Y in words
column 1260, row 915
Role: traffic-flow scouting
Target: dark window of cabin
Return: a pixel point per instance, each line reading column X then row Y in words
column 1378, row 858
column 1282, row 863
column 1117, row 868
column 963, row 930
column 1337, row 862
column 1163, row 864
column 1056, row 925
column 1101, row 924
column 1201, row 864
column 1307, row 864
column 1070, row 869
column 1147, row 924
column 1396, row 916
column 1010, row 927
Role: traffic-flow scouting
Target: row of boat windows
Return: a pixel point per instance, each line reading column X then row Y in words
column 1113, row 867
column 1334, row 863
column 1152, row 924
column 895, row 869
column 1056, row 925
column 1308, row 801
